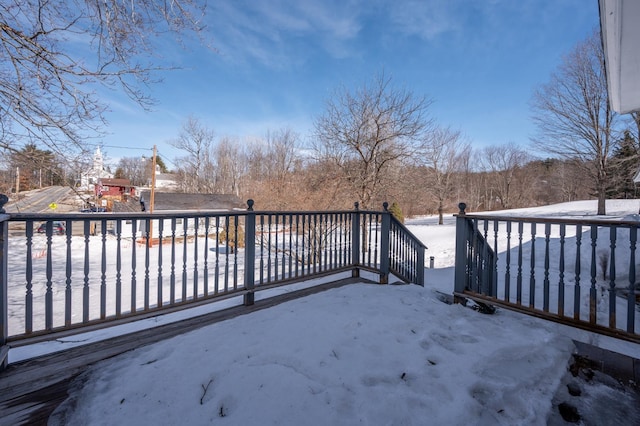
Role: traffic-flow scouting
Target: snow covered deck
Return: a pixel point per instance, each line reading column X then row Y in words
column 30, row 390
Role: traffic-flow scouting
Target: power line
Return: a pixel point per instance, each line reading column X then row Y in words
column 123, row 147
column 165, row 160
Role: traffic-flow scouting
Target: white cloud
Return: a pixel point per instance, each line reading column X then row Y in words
column 268, row 32
column 427, row 19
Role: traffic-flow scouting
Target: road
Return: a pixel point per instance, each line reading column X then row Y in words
column 39, row 201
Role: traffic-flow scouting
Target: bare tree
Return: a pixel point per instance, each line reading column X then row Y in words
column 229, row 166
column 366, row 132
column 196, row 173
column 273, row 173
column 136, row 169
column 635, row 126
column 282, row 160
column 564, row 181
column 573, row 115
column 505, row 164
column 282, row 153
column 321, row 187
column 55, row 54
column 471, row 182
column 443, row 154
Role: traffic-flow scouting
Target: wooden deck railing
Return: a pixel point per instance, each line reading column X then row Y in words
column 62, row 273
column 580, row 272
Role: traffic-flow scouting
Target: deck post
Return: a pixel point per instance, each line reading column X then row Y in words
column 461, row 250
column 249, row 254
column 4, row 310
column 420, row 266
column 384, row 244
column 355, row 241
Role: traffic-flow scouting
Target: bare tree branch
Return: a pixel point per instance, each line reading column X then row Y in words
column 365, row 132
column 442, row 153
column 196, row 171
column 55, row 54
column 505, row 165
column 573, row 115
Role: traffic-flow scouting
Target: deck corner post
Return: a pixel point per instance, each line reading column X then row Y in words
column 249, row 254
column 4, row 307
column 384, row 244
column 420, row 266
column 4, row 199
column 355, row 241
column 461, row 250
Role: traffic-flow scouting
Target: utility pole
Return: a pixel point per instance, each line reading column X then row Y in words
column 17, row 179
column 153, row 194
column 153, row 180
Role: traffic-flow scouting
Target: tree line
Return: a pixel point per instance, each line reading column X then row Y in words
column 280, row 172
column 371, row 143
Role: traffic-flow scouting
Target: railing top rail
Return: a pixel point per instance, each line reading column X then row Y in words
column 167, row 214
column 572, row 220
column 307, row 212
column 406, row 230
column 124, row 215
column 318, row 211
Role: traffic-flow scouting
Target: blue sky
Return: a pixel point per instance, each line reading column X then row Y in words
column 275, row 63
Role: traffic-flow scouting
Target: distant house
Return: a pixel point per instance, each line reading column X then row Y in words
column 170, row 201
column 109, row 193
column 178, row 202
column 116, row 189
column 166, row 181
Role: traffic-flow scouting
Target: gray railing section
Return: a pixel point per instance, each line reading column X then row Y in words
column 4, row 306
column 119, row 266
column 477, row 258
column 406, row 253
column 295, row 245
column 387, row 247
column 577, row 272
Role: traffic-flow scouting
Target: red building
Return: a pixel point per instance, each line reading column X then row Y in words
column 114, row 189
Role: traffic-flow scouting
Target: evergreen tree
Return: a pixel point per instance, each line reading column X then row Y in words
column 160, row 165
column 37, row 168
column 396, row 212
column 623, row 167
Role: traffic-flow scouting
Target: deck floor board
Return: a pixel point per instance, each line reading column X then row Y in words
column 31, row 390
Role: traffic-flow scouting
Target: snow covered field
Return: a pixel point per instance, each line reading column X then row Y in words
column 361, row 354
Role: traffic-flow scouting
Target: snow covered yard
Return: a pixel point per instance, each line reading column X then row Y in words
column 361, row 354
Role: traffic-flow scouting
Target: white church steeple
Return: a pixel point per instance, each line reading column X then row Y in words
column 98, row 162
column 91, row 177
